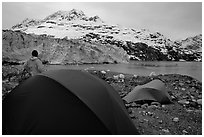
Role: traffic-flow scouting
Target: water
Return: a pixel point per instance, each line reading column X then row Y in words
column 193, row 69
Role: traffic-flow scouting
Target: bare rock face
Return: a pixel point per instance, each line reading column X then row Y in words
column 17, row 46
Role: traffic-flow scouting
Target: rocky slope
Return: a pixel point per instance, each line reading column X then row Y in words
column 138, row 44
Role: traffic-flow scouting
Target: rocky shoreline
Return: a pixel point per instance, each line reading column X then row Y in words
column 183, row 116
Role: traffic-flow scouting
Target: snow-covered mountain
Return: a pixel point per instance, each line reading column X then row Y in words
column 140, row 44
column 190, row 48
column 75, row 24
column 191, row 43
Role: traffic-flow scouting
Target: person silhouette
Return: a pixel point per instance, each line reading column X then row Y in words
column 34, row 64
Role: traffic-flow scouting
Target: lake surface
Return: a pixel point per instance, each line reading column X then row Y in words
column 193, row 69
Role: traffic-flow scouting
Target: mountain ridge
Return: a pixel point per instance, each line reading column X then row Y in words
column 139, row 44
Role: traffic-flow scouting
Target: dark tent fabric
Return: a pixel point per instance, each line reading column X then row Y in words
column 155, row 90
column 65, row 102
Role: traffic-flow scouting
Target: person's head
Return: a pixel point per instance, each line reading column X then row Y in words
column 35, row 53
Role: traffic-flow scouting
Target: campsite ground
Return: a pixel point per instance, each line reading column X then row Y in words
column 183, row 116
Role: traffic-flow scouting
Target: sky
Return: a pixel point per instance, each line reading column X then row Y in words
column 175, row 20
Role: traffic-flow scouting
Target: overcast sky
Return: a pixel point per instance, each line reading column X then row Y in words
column 172, row 19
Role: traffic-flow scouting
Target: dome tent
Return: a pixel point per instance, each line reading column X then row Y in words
column 65, row 102
column 155, row 90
